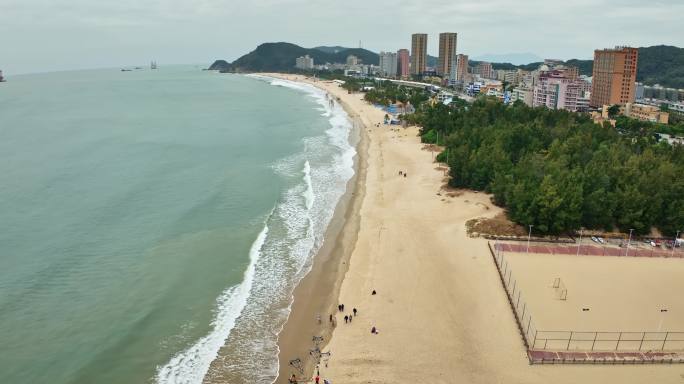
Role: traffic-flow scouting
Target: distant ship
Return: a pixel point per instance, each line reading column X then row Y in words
column 1, row 78
column 153, row 65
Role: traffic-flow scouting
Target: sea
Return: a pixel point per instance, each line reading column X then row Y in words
column 153, row 221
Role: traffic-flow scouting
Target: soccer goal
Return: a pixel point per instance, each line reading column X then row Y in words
column 560, row 290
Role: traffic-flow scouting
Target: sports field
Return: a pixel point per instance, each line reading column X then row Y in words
column 584, row 302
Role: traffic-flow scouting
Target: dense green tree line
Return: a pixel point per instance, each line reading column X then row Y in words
column 386, row 93
column 558, row 170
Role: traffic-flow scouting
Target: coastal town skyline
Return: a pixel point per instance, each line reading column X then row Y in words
column 284, row 191
column 77, row 34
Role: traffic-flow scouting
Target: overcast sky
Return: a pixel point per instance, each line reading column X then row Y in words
column 47, row 35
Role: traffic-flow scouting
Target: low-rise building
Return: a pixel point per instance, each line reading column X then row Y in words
column 645, row 113
column 444, row 96
column 525, row 78
column 509, row 76
column 388, row 64
column 583, row 102
column 602, row 117
column 659, row 92
column 523, row 94
column 641, row 112
column 672, row 140
column 676, row 107
column 474, row 88
column 492, row 89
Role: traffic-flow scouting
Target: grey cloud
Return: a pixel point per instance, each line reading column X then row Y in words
column 97, row 33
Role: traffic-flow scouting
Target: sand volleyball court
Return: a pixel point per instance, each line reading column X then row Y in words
column 570, row 302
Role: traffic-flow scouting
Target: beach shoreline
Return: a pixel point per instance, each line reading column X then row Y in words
column 317, row 293
column 440, row 311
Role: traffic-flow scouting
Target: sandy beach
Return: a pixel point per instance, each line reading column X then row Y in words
column 441, row 313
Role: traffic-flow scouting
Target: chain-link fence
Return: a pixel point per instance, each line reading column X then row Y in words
column 569, row 340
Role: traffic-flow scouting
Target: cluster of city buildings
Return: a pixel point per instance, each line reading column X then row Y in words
column 557, row 86
column 401, row 64
column 553, row 84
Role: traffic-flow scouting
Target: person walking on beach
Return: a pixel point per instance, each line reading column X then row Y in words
column 354, row 310
column 318, row 318
column 350, row 319
column 346, row 318
column 331, row 317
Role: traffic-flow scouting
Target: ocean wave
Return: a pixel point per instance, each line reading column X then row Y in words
column 308, row 194
column 190, row 366
column 295, row 233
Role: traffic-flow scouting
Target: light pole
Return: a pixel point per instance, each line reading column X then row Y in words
column 662, row 317
column 528, row 239
column 675, row 243
column 629, row 241
column 580, row 242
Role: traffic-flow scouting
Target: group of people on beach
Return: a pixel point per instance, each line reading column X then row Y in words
column 317, row 380
column 347, row 318
column 403, row 173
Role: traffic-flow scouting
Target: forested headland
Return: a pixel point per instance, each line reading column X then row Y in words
column 558, row 170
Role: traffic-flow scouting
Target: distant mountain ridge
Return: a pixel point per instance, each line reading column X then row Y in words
column 431, row 60
column 513, row 58
column 659, row 64
column 585, row 66
column 281, row 57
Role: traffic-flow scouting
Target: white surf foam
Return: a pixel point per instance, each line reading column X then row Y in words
column 190, row 366
column 309, row 193
column 283, row 257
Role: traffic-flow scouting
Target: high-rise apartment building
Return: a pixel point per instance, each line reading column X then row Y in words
column 418, row 53
column 388, row 64
column 352, row 60
column 447, row 53
column 403, row 59
column 614, row 76
column 459, row 70
column 559, row 88
column 484, row 69
column 304, row 62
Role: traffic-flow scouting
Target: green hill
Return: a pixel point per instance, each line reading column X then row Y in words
column 661, row 64
column 585, row 66
column 276, row 57
column 331, row 49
